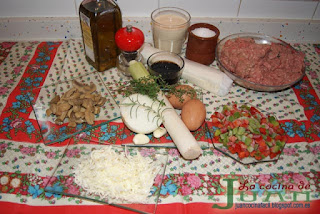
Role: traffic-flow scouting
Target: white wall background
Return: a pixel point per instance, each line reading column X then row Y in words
column 274, row 9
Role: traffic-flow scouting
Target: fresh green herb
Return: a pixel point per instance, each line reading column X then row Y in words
column 150, row 86
column 145, row 85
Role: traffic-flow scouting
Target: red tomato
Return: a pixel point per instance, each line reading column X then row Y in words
column 219, row 115
column 227, row 112
column 242, row 155
column 224, row 130
column 273, row 155
column 254, row 111
column 262, row 143
column 237, row 148
column 278, row 137
column 253, row 153
column 264, row 121
column 236, row 123
column 263, row 148
column 269, row 139
column 214, row 119
column 244, row 125
column 258, row 156
column 216, row 139
column 231, row 149
column 263, row 130
column 280, row 131
column 243, row 146
column 284, row 138
column 129, row 38
column 266, row 153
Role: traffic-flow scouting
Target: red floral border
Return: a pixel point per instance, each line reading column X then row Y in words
column 38, row 68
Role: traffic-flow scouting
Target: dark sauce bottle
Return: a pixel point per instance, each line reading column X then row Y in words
column 100, row 20
column 169, row 71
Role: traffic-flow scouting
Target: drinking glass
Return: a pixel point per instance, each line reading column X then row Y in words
column 170, row 28
column 166, row 64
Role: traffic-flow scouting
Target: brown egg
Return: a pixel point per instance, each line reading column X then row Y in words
column 183, row 94
column 193, row 114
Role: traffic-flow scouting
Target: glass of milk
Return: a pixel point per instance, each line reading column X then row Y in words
column 170, row 28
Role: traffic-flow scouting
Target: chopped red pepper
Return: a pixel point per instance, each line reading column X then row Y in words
column 246, row 131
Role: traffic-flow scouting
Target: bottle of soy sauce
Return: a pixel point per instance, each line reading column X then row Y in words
column 100, row 20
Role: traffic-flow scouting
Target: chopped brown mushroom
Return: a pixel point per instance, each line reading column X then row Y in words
column 56, row 99
column 79, row 104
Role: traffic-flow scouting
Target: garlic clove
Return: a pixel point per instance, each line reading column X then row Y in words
column 140, row 139
column 159, row 132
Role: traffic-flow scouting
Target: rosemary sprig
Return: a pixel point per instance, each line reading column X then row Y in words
column 145, row 85
column 151, row 86
column 136, row 103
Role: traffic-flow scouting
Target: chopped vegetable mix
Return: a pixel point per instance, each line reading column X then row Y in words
column 246, row 131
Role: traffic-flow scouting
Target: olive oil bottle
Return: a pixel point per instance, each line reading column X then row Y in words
column 100, row 20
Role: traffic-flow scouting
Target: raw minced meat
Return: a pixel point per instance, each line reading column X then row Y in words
column 267, row 64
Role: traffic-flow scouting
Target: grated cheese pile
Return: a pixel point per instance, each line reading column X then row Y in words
column 113, row 176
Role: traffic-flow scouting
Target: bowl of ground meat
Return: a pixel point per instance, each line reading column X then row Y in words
column 260, row 62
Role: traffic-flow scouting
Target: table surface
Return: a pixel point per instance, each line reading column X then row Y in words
column 26, row 163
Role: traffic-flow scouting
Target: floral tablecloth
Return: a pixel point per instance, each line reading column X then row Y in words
column 212, row 183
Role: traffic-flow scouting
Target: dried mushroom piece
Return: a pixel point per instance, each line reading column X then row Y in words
column 55, row 99
column 79, row 104
column 48, row 112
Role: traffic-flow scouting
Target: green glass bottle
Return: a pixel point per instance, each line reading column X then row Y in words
column 100, row 20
